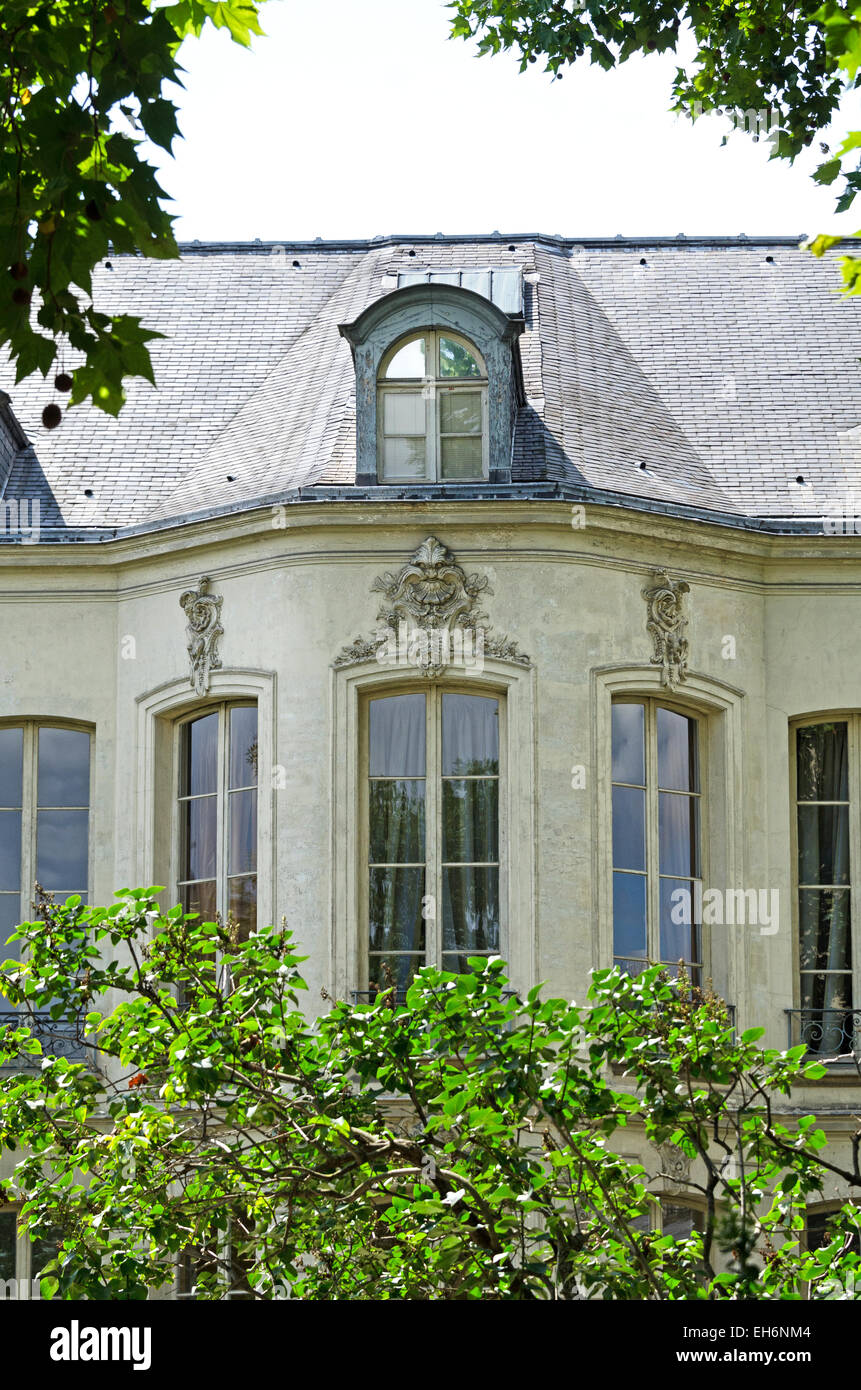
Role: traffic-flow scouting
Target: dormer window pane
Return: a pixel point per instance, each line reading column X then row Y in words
column 409, row 363
column 461, row 458
column 404, row 413
column 460, row 412
column 405, row 458
column 456, row 361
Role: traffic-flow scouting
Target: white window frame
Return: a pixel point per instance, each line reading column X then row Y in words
column 222, row 833
column 433, row 779
column 651, row 704
column 514, row 687
column 30, row 802
column 432, row 387
column 157, row 774
column 852, row 718
column 724, row 854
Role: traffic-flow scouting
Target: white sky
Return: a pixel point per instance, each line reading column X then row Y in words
column 361, row 117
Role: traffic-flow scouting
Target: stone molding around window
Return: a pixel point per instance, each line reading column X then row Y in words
column 435, row 306
column 665, row 624
column 430, row 609
column 154, row 831
column 203, row 631
column 513, row 684
column 722, row 750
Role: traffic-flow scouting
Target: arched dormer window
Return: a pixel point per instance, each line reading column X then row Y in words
column 438, row 384
column 432, row 409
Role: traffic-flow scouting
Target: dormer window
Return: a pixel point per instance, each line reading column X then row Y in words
column 438, row 387
column 432, row 410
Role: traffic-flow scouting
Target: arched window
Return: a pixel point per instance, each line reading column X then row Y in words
column 657, row 795
column 432, row 409
column 433, row 832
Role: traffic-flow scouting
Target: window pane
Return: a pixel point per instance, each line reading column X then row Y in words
column 242, row 903
column 387, row 970
column 404, row 412
column 470, row 821
column 677, row 752
column 10, row 918
column 470, row 735
column 460, row 412
column 243, row 746
column 405, row 458
column 11, row 764
column 61, row 850
column 199, row 897
column 455, row 360
column 397, row 736
column 629, row 744
column 10, row 851
column 823, row 844
column 395, row 910
column 629, row 828
column 409, row 361
column 199, row 762
column 461, row 458
column 680, row 1221
column 629, row 916
column 42, row 1250
column 242, row 856
column 825, row 929
column 7, row 1245
column 678, row 834
column 823, row 762
column 64, row 767
column 680, row 935
column 470, row 909
column 198, row 820
column 397, row 827
column 824, row 999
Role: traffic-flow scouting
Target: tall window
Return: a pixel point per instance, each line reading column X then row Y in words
column 432, row 406
column 825, row 788
column 44, row 819
column 23, row 1259
column 657, row 874
column 217, row 803
column 433, row 832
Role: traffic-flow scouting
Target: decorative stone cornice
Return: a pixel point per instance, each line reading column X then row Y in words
column 203, row 630
column 665, row 624
column 430, row 617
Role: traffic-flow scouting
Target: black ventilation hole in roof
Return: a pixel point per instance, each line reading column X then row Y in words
column 643, row 261
column 231, row 478
column 799, row 477
column 88, row 492
column 297, row 264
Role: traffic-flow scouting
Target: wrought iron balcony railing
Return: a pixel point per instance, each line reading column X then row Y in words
column 59, row 1037
column 826, row 1033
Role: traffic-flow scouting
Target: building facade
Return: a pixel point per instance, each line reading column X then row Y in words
column 458, row 596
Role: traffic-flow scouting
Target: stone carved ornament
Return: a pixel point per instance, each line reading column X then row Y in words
column 665, row 624
column 675, row 1167
column 431, row 606
column 203, row 630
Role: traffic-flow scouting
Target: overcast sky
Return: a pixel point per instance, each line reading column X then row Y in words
column 361, row 117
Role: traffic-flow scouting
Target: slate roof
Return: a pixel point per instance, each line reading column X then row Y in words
column 704, row 373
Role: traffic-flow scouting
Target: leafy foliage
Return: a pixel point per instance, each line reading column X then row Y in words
column 752, row 58
column 82, row 84
column 462, row 1146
